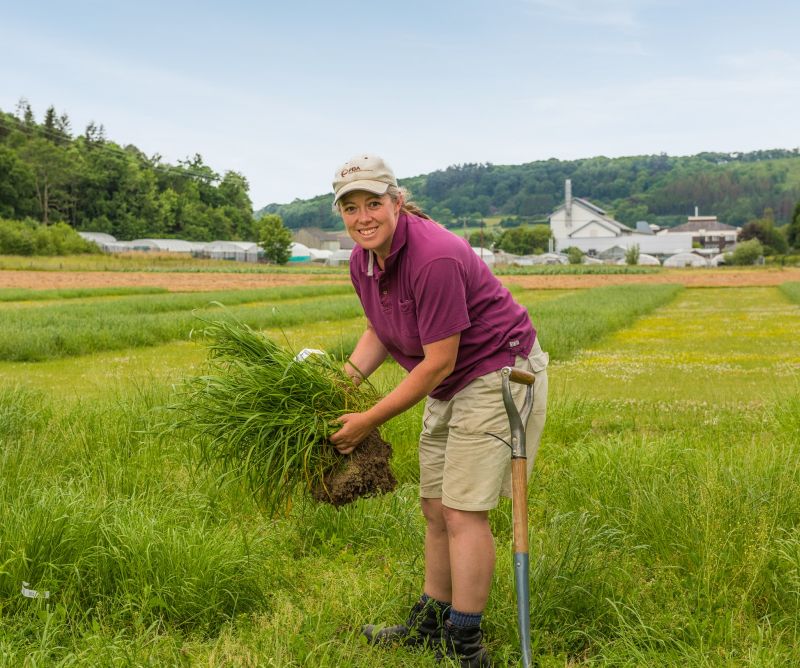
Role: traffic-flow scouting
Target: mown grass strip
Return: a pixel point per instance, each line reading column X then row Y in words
column 713, row 344
column 578, row 320
column 25, row 295
column 27, row 336
column 791, row 290
column 182, row 301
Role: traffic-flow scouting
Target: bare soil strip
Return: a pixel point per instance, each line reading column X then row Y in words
column 203, row 282
column 691, row 278
column 173, row 281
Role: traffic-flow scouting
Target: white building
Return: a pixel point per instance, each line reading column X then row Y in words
column 581, row 224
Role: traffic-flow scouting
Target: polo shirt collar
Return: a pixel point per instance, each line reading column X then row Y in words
column 398, row 243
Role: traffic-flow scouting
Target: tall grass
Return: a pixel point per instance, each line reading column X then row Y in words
column 91, row 511
column 663, row 533
column 663, row 539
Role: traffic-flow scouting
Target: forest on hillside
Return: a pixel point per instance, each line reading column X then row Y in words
column 661, row 189
column 51, row 174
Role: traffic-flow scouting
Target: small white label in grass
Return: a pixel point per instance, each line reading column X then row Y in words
column 306, row 352
column 32, row 593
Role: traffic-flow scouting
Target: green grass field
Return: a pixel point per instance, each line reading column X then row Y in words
column 664, row 510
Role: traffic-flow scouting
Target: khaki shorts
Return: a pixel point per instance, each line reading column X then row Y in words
column 462, row 465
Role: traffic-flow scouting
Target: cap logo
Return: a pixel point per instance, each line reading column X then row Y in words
column 345, row 172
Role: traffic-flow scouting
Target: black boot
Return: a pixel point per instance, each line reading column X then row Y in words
column 423, row 628
column 465, row 644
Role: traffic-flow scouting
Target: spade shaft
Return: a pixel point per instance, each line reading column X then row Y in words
column 519, row 498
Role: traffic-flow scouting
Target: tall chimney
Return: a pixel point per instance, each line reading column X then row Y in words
column 568, row 202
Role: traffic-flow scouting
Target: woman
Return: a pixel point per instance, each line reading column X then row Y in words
column 435, row 307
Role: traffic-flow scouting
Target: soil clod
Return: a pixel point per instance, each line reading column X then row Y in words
column 364, row 472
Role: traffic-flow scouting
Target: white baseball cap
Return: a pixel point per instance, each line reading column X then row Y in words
column 363, row 172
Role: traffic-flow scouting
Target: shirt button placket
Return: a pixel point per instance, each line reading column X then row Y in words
column 384, row 296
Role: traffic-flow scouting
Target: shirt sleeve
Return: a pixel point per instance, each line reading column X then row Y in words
column 440, row 292
column 354, row 279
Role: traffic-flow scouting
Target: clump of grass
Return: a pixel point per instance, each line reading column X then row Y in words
column 266, row 417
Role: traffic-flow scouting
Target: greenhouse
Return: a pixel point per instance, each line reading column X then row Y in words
column 644, row 260
column 239, row 251
column 162, row 245
column 685, row 260
column 484, row 254
column 300, row 252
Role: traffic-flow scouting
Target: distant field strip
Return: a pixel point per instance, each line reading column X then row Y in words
column 22, row 295
column 713, row 344
column 62, row 330
column 155, row 263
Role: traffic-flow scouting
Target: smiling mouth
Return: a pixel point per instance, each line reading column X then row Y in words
column 368, row 231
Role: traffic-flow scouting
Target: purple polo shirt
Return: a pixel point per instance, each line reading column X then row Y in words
column 434, row 285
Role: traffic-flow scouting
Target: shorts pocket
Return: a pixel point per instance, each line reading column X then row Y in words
column 538, row 359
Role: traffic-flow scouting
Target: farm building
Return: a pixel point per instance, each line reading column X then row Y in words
column 707, row 232
column 320, row 256
column 339, row 257
column 314, row 237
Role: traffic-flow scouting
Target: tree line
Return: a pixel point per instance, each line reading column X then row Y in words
column 50, row 174
column 661, row 189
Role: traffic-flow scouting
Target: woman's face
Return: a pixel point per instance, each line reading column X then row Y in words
column 370, row 220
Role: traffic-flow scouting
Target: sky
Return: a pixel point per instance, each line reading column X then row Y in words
column 284, row 92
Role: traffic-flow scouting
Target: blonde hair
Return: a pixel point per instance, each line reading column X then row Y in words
column 396, row 192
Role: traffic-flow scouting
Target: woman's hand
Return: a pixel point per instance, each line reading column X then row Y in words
column 355, row 428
